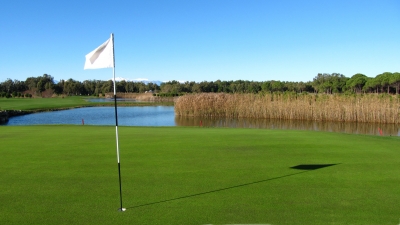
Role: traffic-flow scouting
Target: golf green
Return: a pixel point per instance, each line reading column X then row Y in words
column 191, row 175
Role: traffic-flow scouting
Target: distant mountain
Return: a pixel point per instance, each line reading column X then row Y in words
column 143, row 80
column 151, row 81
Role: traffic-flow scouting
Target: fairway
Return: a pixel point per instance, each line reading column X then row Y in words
column 191, row 175
column 57, row 103
column 42, row 103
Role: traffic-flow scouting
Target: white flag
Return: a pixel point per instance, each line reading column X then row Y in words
column 101, row 57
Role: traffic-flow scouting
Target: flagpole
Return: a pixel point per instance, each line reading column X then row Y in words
column 116, row 128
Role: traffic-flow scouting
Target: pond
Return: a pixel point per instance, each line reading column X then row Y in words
column 127, row 116
column 165, row 116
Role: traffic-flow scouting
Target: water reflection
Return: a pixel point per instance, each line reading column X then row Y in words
column 164, row 116
column 353, row 128
column 127, row 116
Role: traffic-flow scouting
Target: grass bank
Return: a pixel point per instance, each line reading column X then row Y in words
column 343, row 108
column 68, row 175
column 43, row 104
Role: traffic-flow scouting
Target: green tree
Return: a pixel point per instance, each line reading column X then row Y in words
column 319, row 82
column 357, row 82
column 383, row 81
column 8, row 85
column 107, row 86
column 40, row 86
column 266, row 86
column 372, row 85
column 300, row 86
column 394, row 81
column 277, row 85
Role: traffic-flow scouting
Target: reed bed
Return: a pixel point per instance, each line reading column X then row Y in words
column 370, row 108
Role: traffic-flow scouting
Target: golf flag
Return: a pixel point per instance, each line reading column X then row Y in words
column 102, row 56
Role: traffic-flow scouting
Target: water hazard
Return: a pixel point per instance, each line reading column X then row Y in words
column 165, row 116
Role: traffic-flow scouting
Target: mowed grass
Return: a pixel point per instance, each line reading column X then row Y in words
column 182, row 175
column 42, row 103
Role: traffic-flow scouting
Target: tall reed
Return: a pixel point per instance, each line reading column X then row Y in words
column 319, row 107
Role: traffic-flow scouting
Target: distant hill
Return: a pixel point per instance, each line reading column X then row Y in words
column 150, row 81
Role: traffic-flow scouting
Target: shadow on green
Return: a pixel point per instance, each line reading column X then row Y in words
column 305, row 167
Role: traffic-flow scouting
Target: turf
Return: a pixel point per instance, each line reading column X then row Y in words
column 182, row 175
column 43, row 104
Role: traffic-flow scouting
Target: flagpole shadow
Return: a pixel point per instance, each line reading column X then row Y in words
column 305, row 167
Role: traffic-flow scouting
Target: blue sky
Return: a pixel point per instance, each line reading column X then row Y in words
column 203, row 40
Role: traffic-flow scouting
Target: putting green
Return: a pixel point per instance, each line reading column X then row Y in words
column 182, row 175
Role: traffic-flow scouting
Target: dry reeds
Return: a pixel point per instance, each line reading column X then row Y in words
column 318, row 107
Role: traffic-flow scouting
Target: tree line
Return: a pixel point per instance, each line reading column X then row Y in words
column 45, row 85
column 323, row 83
